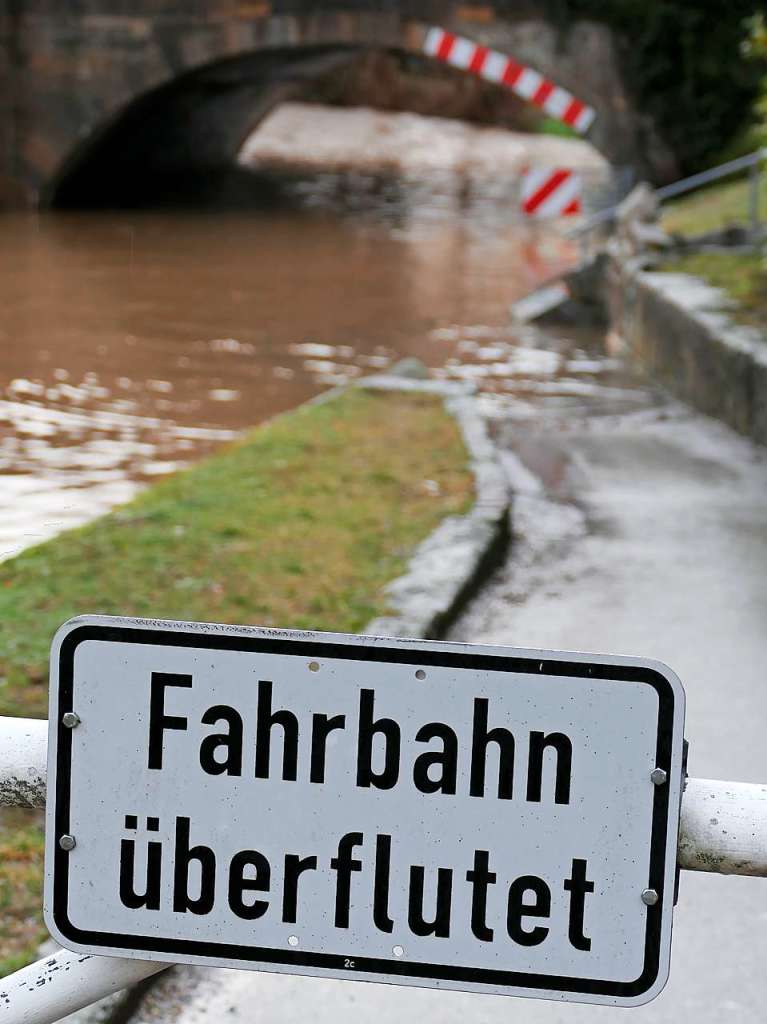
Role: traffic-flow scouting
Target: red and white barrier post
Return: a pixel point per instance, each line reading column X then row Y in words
column 550, row 192
column 503, row 70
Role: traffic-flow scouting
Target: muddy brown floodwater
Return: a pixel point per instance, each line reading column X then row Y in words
column 131, row 344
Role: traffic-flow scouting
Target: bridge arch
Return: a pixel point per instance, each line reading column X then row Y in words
column 176, row 140
column 117, row 73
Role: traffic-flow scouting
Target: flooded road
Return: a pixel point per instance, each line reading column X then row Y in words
column 134, row 343
column 131, row 344
column 638, row 529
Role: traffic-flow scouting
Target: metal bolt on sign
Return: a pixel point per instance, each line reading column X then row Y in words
column 658, row 776
column 67, row 843
column 650, row 897
column 70, row 719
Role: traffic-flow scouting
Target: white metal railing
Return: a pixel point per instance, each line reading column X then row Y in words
column 752, row 162
column 723, row 830
column 23, row 754
column 678, row 188
column 65, row 982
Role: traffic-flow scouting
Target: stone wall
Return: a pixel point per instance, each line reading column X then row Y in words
column 69, row 71
column 679, row 329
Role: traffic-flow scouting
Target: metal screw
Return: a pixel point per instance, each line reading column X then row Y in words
column 659, row 777
column 650, row 897
column 67, row 843
column 70, row 719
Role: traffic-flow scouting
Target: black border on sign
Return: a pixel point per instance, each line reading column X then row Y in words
column 332, row 961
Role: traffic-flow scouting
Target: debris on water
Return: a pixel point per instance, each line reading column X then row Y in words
column 223, row 395
column 410, row 367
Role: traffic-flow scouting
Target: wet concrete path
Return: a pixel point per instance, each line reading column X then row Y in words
column 640, row 528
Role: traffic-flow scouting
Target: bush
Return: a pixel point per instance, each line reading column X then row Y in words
column 688, row 63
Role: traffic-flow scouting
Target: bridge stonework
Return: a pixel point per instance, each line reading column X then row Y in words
column 70, row 72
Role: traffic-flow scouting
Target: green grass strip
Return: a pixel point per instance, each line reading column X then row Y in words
column 742, row 275
column 301, row 524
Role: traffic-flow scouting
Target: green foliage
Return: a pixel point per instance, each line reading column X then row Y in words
column 686, row 60
column 741, row 275
column 755, row 44
column 553, row 126
column 753, row 135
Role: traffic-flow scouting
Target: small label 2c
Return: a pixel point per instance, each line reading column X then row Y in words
column 349, row 963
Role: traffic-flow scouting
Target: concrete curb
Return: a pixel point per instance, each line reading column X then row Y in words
column 680, row 329
column 449, row 566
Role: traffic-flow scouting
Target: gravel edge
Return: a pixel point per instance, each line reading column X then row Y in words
column 448, row 567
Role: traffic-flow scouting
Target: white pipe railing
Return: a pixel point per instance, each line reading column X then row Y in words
column 23, row 754
column 723, row 830
column 678, row 188
column 64, row 982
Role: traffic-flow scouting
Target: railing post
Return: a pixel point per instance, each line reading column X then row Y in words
column 754, row 175
column 584, row 247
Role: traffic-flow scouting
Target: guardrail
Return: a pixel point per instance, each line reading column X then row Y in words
column 751, row 162
column 723, row 830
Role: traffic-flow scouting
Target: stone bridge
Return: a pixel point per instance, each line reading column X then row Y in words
column 92, row 94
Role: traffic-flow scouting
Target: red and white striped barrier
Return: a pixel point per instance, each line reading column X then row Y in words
column 550, row 192
column 497, row 67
